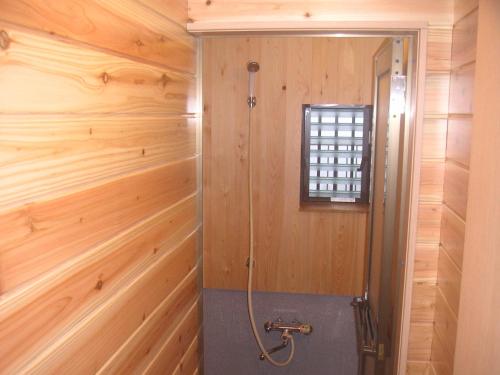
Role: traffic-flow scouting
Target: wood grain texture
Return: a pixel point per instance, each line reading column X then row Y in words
column 419, row 368
column 462, row 8
column 436, row 93
column 178, row 343
column 438, row 49
column 53, row 155
column 462, row 89
column 99, row 211
column 147, row 30
column 449, row 277
column 191, row 357
column 145, row 344
column 420, row 339
column 426, row 260
column 478, row 328
column 441, row 360
column 423, row 301
column 428, row 225
column 65, row 78
column 319, row 251
column 459, row 139
column 434, row 139
column 445, row 325
column 30, row 320
column 464, row 41
column 456, row 181
column 435, row 12
column 453, row 235
column 431, row 180
column 42, row 235
column 95, row 339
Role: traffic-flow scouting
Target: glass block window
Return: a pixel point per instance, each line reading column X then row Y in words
column 336, row 153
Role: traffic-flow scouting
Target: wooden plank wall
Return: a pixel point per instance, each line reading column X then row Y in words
column 297, row 249
column 478, row 331
column 99, row 222
column 456, row 178
column 224, row 14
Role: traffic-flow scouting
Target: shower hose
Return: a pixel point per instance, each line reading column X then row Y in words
column 251, row 261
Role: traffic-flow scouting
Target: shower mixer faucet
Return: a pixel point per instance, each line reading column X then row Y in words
column 286, row 329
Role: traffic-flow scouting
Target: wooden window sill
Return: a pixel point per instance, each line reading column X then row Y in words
column 335, row 207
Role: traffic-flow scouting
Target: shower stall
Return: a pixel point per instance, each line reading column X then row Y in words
column 305, row 168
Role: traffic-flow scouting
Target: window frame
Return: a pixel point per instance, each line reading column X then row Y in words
column 306, row 152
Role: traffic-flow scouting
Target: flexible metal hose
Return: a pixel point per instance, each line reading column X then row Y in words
column 251, row 256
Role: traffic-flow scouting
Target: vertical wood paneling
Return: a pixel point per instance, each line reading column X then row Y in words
column 99, row 208
column 317, row 251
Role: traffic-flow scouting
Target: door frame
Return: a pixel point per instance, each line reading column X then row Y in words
column 414, row 114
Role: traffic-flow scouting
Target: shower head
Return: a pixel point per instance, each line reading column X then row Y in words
column 253, row 66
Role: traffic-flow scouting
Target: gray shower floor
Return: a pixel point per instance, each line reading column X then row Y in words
column 230, row 348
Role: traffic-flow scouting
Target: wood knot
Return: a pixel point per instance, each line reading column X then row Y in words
column 105, row 77
column 155, row 250
column 164, row 80
column 90, row 131
column 99, row 285
column 190, row 20
column 143, row 152
column 283, row 87
column 139, row 43
column 208, row 2
column 4, row 40
column 307, row 14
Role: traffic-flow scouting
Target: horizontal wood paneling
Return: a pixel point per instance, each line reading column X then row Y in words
column 420, row 339
column 431, row 180
column 66, row 78
column 436, row 12
column 426, row 260
column 462, row 89
column 455, row 187
column 47, row 155
column 178, row 343
column 436, row 93
column 418, row 368
column 99, row 207
column 40, row 236
column 446, row 323
column 126, row 27
column 143, row 346
column 458, row 139
column 477, row 347
column 422, row 307
column 463, row 7
column 438, row 49
column 452, row 235
column 190, row 359
column 464, row 40
column 434, row 139
column 456, row 179
column 442, row 362
column 429, row 220
column 449, row 280
column 95, row 339
column 39, row 315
